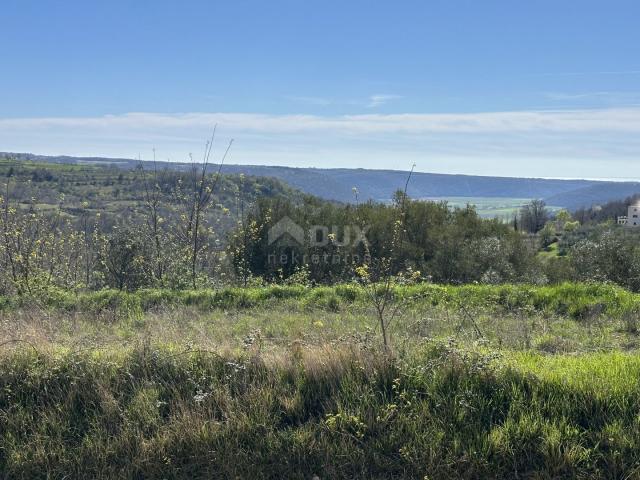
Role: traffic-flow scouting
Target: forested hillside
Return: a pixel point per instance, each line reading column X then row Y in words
column 338, row 183
column 117, row 195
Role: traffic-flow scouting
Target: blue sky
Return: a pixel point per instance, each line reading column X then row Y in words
column 537, row 88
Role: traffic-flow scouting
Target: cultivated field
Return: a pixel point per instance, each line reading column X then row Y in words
column 503, row 208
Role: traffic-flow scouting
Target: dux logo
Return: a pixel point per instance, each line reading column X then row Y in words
column 288, row 233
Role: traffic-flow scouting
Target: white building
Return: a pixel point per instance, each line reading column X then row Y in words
column 633, row 217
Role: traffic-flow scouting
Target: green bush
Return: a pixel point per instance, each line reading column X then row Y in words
column 115, row 305
column 5, row 302
column 580, row 301
column 324, row 298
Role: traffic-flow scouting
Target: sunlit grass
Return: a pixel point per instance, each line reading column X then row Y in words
column 283, row 382
column 607, row 373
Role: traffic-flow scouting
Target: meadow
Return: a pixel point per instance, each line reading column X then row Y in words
column 510, row 381
column 504, row 208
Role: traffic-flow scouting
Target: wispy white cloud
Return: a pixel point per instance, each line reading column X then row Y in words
column 380, row 99
column 610, row 98
column 578, row 96
column 593, row 143
column 615, row 119
column 372, row 101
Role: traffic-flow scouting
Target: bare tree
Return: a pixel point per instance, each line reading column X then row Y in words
column 199, row 201
column 378, row 276
column 152, row 199
column 534, row 216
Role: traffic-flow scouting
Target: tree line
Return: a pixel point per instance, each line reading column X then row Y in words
column 184, row 233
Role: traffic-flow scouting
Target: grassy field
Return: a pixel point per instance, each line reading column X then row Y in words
column 292, row 382
column 490, row 207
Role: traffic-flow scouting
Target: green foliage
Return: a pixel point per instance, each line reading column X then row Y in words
column 608, row 256
column 118, row 194
column 136, row 261
column 112, row 305
column 324, row 298
column 123, row 260
column 87, row 227
column 575, row 300
column 449, row 245
column 63, row 227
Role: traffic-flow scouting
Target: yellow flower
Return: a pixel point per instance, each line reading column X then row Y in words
column 363, row 271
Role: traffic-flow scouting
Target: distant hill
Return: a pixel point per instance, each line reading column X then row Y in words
column 338, row 183
column 85, row 189
column 596, row 194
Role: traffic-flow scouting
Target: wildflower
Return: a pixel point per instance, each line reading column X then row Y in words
column 200, row 396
